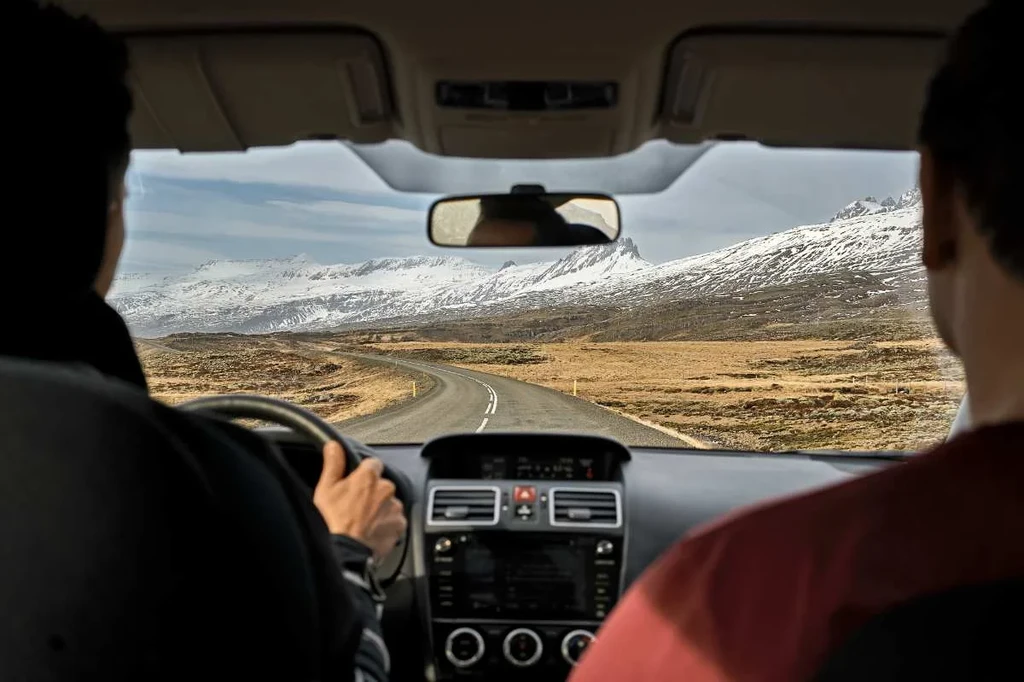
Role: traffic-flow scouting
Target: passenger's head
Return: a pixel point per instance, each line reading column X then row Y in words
column 972, row 171
column 69, row 100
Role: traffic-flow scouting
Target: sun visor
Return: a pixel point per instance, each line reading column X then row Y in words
column 219, row 92
column 801, row 89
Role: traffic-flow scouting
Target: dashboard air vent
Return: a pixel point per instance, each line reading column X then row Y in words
column 589, row 507
column 463, row 506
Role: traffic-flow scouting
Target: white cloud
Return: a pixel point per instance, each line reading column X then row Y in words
column 732, row 193
column 348, row 209
column 221, row 228
column 318, row 164
column 151, row 254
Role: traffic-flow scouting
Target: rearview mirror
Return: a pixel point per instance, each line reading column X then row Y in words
column 524, row 220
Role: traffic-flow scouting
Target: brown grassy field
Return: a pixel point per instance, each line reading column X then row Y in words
column 335, row 387
column 758, row 395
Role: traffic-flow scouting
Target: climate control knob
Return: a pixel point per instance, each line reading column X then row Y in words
column 523, row 647
column 464, row 647
column 574, row 644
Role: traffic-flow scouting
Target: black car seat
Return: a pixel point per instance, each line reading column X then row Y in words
column 969, row 633
column 137, row 542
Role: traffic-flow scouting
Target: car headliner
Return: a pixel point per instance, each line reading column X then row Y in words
column 227, row 75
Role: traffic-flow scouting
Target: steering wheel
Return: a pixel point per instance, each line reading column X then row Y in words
column 319, row 433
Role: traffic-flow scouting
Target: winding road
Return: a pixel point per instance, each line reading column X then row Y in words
column 466, row 401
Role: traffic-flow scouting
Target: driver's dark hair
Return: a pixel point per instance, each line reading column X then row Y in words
column 972, row 123
column 69, row 143
column 550, row 227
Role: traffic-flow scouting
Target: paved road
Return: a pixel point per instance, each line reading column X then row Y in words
column 466, row 401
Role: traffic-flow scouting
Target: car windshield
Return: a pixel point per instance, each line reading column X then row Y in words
column 767, row 300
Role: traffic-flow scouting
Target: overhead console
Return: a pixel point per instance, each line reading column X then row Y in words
column 526, row 95
column 523, row 542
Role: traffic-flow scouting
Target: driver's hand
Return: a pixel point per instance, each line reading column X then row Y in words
column 361, row 505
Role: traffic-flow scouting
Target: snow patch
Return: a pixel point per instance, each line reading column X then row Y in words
column 880, row 239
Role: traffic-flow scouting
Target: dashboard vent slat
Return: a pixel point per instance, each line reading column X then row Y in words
column 463, row 505
column 586, row 507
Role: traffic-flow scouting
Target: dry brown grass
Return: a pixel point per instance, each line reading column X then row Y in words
column 757, row 395
column 335, row 387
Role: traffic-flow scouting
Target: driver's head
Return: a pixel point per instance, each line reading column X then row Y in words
column 971, row 179
column 518, row 220
column 68, row 104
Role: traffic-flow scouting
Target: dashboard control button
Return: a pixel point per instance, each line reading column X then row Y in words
column 522, row 647
column 574, row 644
column 525, row 493
column 464, row 647
column 524, row 511
column 442, row 546
column 604, row 547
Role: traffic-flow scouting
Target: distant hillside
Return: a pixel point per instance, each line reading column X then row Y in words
column 862, row 264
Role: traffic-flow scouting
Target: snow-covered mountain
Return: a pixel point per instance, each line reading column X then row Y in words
column 883, row 241
column 871, row 205
column 880, row 238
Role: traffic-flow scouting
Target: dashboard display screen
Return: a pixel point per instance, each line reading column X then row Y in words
column 537, row 468
column 537, row 578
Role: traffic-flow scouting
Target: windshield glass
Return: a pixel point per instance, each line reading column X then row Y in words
column 767, row 300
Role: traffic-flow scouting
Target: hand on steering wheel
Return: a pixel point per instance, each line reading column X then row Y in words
column 359, row 504
column 366, row 481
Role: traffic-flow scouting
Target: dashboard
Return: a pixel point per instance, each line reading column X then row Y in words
column 522, row 543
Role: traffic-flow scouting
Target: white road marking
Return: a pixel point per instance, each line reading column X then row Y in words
column 492, row 400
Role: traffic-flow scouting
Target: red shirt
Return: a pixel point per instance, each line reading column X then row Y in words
column 766, row 594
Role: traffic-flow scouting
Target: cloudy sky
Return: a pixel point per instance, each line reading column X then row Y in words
column 322, row 200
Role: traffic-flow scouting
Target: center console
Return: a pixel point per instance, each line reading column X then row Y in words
column 523, row 537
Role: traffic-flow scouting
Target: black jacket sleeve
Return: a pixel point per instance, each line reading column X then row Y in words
column 372, row 660
column 347, row 597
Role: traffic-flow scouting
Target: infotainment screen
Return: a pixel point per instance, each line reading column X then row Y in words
column 536, row 467
column 534, row 578
column 524, row 456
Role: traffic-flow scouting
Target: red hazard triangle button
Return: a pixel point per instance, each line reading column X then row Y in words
column 524, row 493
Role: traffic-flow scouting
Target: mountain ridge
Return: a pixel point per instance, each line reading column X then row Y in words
column 878, row 238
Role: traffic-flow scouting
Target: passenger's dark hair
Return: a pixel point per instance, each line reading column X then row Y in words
column 972, row 125
column 68, row 141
